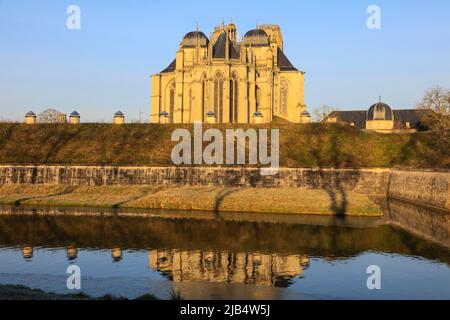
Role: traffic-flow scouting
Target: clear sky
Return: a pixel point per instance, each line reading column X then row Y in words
column 105, row 66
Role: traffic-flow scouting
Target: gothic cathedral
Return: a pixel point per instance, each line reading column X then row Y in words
column 223, row 80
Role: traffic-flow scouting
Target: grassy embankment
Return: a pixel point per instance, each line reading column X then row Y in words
column 280, row 200
column 314, row 145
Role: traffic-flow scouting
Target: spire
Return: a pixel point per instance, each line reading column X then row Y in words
column 197, row 45
column 257, row 24
column 227, row 48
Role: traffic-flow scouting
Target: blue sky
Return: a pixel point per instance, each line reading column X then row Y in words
column 106, row 65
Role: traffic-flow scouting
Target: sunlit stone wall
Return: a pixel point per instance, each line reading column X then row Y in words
column 368, row 181
column 428, row 187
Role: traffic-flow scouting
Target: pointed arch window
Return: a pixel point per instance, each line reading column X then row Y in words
column 283, row 96
column 218, row 97
column 234, row 98
column 257, row 97
column 203, row 102
column 190, row 105
column 171, row 101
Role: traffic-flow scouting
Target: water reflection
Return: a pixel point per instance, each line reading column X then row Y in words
column 192, row 250
column 72, row 253
column 116, row 254
column 27, row 253
column 244, row 268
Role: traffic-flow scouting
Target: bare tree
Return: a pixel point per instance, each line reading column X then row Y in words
column 49, row 116
column 320, row 114
column 436, row 106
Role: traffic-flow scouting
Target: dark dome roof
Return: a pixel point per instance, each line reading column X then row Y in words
column 74, row 114
column 380, row 111
column 31, row 114
column 190, row 39
column 256, row 37
column 119, row 113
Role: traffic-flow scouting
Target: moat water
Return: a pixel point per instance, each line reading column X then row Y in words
column 130, row 253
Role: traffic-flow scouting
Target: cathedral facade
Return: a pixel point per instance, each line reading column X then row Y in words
column 223, row 80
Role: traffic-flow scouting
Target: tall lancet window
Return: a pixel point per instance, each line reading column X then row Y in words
column 218, row 97
column 258, row 97
column 203, row 98
column 189, row 117
column 172, row 101
column 283, row 96
column 234, row 101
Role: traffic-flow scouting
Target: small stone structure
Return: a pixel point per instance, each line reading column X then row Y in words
column 305, row 117
column 30, row 118
column 258, row 117
column 62, row 118
column 210, row 117
column 119, row 118
column 164, row 117
column 74, row 118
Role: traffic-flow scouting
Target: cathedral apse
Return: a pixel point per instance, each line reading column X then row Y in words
column 223, row 79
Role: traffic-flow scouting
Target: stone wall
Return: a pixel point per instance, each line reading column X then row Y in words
column 427, row 187
column 423, row 187
column 367, row 181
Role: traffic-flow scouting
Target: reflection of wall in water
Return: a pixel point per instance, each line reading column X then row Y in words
column 247, row 268
column 421, row 221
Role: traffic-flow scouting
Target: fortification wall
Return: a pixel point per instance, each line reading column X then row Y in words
column 367, row 181
column 423, row 187
column 426, row 187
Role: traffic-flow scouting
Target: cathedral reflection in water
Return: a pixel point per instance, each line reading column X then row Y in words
column 244, row 268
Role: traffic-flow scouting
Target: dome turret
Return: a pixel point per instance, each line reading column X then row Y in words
column 191, row 38
column 380, row 111
column 256, row 37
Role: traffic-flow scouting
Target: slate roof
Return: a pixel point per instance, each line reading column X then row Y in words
column 356, row 117
column 190, row 40
column 407, row 115
column 283, row 62
column 256, row 37
column 220, row 47
column 359, row 117
column 170, row 67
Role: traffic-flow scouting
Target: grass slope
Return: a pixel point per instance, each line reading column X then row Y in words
column 205, row 198
column 323, row 145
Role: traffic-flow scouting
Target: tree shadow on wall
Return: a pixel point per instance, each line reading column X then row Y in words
column 336, row 181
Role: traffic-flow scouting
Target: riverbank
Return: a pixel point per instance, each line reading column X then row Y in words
column 197, row 198
column 17, row 292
